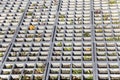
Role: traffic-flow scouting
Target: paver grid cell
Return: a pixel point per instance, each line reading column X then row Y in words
column 71, row 56
column 106, row 20
column 23, row 70
column 107, row 60
column 106, row 33
column 10, row 16
column 74, row 12
column 31, row 43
